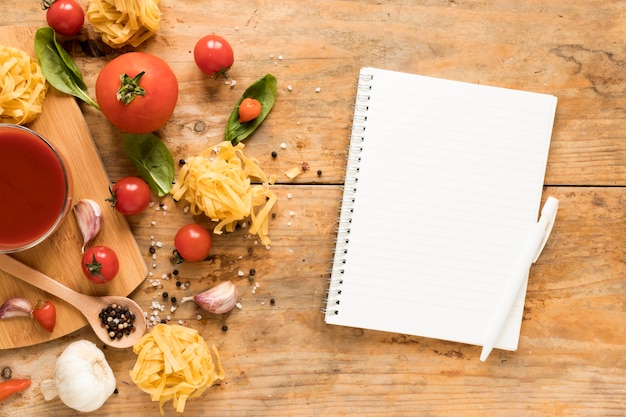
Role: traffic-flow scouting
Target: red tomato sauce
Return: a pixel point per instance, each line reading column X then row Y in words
column 32, row 188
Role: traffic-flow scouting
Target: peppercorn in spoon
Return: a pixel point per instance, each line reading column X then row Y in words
column 126, row 315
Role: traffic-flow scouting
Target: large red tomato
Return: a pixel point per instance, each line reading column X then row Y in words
column 137, row 92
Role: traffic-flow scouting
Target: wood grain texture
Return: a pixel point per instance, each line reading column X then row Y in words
column 281, row 359
column 62, row 123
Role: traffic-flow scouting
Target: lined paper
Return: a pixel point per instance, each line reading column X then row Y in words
column 444, row 182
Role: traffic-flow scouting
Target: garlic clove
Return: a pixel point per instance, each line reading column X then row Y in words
column 217, row 300
column 89, row 218
column 15, row 307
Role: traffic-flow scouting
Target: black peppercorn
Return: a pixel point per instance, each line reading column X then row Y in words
column 274, row 154
column 165, row 294
column 319, row 172
column 173, row 299
column 224, row 328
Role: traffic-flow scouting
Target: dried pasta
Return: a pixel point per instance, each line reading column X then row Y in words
column 174, row 363
column 22, row 86
column 218, row 183
column 124, row 22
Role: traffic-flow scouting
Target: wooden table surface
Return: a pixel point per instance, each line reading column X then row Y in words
column 280, row 358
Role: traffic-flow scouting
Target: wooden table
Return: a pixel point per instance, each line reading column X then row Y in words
column 280, row 357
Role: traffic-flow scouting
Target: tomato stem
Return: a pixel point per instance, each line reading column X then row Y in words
column 130, row 88
column 95, row 269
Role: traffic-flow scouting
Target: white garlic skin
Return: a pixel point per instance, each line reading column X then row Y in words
column 83, row 378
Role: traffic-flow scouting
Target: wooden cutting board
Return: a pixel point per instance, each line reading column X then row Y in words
column 62, row 123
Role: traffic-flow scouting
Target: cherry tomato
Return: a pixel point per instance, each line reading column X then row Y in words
column 137, row 92
column 193, row 242
column 66, row 17
column 46, row 315
column 130, row 196
column 100, row 264
column 213, row 55
column 249, row 109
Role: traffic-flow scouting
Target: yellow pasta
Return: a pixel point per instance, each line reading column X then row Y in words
column 174, row 363
column 22, row 86
column 124, row 22
column 217, row 183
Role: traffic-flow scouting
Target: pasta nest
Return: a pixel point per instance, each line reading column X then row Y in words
column 22, row 86
column 218, row 184
column 175, row 363
column 124, row 22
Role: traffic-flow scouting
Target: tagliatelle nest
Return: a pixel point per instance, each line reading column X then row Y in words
column 124, row 22
column 175, row 363
column 22, row 86
column 218, row 183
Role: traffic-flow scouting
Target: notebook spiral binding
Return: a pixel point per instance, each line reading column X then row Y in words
column 359, row 122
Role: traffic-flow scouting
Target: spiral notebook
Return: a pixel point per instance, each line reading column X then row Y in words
column 443, row 182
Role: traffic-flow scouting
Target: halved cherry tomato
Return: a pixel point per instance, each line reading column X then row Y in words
column 130, row 196
column 249, row 109
column 214, row 55
column 100, row 264
column 193, row 242
column 46, row 315
column 137, row 92
column 66, row 17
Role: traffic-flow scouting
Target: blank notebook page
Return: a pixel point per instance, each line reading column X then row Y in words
column 444, row 182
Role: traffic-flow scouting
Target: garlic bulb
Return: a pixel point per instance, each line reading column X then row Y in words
column 83, row 379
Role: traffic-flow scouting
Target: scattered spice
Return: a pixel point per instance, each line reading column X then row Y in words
column 6, row 373
column 224, row 328
column 319, row 172
column 274, row 154
column 272, row 301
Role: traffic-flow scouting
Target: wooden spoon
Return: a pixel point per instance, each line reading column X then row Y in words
column 89, row 306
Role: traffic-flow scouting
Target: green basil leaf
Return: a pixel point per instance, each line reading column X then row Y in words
column 265, row 90
column 152, row 160
column 58, row 67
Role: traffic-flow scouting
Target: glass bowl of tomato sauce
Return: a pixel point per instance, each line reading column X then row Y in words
column 35, row 185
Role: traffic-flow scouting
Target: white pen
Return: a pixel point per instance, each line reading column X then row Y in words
column 529, row 253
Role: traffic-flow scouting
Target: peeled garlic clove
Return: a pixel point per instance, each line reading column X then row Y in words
column 217, row 300
column 15, row 307
column 89, row 218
